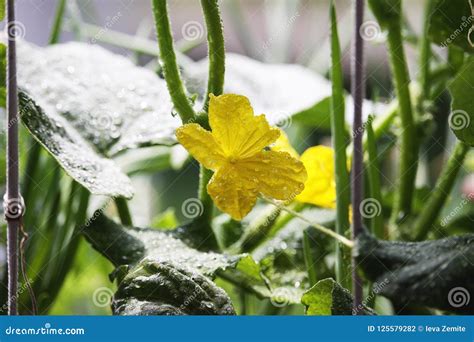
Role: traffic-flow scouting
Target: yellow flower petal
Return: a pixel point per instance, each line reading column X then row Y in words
column 201, row 145
column 235, row 128
column 283, row 145
column 230, row 194
column 320, row 188
column 275, row 174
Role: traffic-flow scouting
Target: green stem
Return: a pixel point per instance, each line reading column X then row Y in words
column 338, row 124
column 29, row 176
column 123, row 211
column 408, row 143
column 376, row 222
column 309, row 259
column 216, row 49
column 441, row 191
column 58, row 23
column 215, row 37
column 205, row 176
column 204, row 222
column 170, row 67
column 425, row 57
column 326, row 231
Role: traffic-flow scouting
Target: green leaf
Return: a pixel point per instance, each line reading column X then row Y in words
column 111, row 103
column 163, row 288
column 3, row 75
column 327, row 297
column 461, row 88
column 161, row 272
column 97, row 174
column 2, row 10
column 430, row 273
column 450, row 24
column 166, row 220
column 387, row 12
column 88, row 105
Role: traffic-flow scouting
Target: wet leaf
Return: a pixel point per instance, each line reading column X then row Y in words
column 461, row 88
column 327, row 297
column 450, row 24
column 113, row 104
column 165, row 273
column 162, row 288
column 430, row 273
column 85, row 104
column 283, row 92
column 98, row 174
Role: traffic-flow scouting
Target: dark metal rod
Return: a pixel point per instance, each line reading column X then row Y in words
column 357, row 177
column 13, row 203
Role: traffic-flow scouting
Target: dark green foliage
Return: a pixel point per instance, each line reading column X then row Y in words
column 461, row 120
column 154, row 288
column 450, row 24
column 420, row 273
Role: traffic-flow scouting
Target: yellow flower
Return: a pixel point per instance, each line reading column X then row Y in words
column 320, row 187
column 235, row 150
